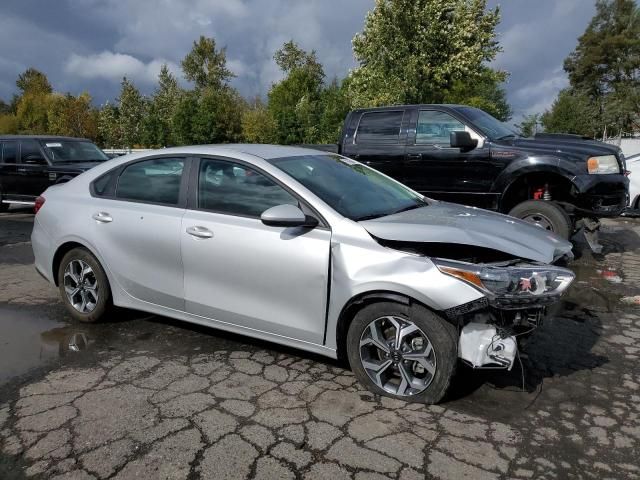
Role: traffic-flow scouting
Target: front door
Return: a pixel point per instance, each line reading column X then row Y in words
column 242, row 272
column 438, row 170
column 8, row 167
column 33, row 172
column 137, row 231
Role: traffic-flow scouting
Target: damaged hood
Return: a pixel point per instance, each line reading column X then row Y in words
column 441, row 222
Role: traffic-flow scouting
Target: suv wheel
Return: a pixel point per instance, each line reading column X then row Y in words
column 83, row 285
column 403, row 352
column 544, row 214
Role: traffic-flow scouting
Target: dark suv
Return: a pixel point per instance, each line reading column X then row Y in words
column 30, row 164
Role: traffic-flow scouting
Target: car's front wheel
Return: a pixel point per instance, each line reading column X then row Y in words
column 404, row 352
column 84, row 286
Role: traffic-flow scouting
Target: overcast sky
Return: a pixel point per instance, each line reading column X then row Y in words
column 90, row 44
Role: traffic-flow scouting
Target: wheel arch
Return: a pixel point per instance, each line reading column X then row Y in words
column 516, row 191
column 62, row 250
column 358, row 302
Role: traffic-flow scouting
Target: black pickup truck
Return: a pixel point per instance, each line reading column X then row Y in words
column 464, row 155
column 29, row 164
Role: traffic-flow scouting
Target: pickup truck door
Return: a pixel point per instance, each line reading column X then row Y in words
column 434, row 168
column 379, row 141
column 8, row 167
column 33, row 169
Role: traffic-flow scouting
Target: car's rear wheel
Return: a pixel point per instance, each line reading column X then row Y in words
column 84, row 286
column 408, row 353
column 544, row 214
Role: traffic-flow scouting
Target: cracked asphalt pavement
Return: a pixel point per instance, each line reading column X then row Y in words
column 147, row 397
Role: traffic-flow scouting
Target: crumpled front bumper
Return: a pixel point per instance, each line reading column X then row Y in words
column 605, row 195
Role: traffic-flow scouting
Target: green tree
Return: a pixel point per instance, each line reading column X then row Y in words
column 109, row 133
column 206, row 66
column 484, row 92
column 132, row 108
column 605, row 66
column 158, row 129
column 334, row 107
column 72, row 116
column 258, row 126
column 414, row 51
column 33, row 81
column 571, row 112
column 294, row 102
column 529, row 125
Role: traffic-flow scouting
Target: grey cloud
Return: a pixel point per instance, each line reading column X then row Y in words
column 90, row 44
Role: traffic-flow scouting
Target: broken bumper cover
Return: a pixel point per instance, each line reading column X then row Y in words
column 605, row 195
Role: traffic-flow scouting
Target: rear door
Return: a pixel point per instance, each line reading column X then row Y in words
column 379, row 141
column 137, row 222
column 8, row 167
column 436, row 169
column 242, row 272
column 33, row 171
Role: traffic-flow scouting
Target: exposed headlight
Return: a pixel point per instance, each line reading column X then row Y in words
column 603, row 164
column 510, row 282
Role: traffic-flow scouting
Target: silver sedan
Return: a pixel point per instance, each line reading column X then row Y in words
column 304, row 248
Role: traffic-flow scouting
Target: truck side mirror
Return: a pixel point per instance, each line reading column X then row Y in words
column 462, row 140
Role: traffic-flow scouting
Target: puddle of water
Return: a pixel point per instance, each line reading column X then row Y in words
column 31, row 338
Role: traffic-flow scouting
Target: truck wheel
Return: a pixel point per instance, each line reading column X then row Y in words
column 84, row 286
column 403, row 352
column 544, row 214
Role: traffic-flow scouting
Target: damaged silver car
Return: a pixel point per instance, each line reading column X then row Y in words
column 303, row 248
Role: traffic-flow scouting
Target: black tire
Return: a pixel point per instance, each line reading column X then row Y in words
column 441, row 334
column 103, row 304
column 550, row 215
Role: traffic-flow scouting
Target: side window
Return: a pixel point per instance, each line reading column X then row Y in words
column 30, row 152
column 434, row 127
column 235, row 189
column 8, row 152
column 379, row 127
column 155, row 181
column 101, row 184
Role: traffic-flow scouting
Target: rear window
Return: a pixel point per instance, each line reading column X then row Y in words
column 8, row 152
column 379, row 127
column 73, row 151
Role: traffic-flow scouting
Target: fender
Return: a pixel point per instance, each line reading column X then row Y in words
column 537, row 164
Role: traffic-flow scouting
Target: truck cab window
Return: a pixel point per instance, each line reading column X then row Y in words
column 8, row 152
column 30, row 153
column 434, row 127
column 379, row 127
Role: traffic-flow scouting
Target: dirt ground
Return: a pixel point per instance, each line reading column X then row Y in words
column 146, row 397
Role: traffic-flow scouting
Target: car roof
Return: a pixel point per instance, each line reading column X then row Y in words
column 263, row 151
column 42, row 137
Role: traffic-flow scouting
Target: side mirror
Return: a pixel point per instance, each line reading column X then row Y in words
column 462, row 140
column 286, row 216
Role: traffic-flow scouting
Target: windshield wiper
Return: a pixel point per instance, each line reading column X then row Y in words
column 403, row 209
column 409, row 207
column 505, row 137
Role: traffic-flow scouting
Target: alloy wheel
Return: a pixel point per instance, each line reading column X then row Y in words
column 397, row 356
column 81, row 286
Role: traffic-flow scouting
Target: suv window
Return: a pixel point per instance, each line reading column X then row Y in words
column 155, row 181
column 434, row 127
column 232, row 188
column 30, row 152
column 8, row 152
column 379, row 127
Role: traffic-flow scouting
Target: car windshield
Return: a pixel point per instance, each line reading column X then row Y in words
column 352, row 189
column 490, row 126
column 73, row 151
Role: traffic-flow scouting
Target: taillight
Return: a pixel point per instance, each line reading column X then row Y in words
column 39, row 204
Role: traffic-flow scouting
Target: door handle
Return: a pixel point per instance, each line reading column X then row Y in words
column 102, row 217
column 414, row 157
column 200, row 232
column 22, row 170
